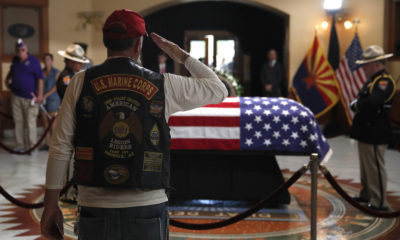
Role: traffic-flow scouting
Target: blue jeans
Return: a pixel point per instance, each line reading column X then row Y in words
column 142, row 223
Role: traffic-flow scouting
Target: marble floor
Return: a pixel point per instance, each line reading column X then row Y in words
column 18, row 173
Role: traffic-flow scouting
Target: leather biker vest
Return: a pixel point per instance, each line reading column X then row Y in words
column 122, row 138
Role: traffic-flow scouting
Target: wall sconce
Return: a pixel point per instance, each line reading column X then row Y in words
column 348, row 25
column 93, row 18
column 324, row 25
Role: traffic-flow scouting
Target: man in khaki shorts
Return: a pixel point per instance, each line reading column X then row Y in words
column 25, row 80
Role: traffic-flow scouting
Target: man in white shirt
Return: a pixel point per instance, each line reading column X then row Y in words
column 114, row 118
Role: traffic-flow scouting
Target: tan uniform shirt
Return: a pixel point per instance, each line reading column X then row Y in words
column 181, row 94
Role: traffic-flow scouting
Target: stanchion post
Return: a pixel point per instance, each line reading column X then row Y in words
column 314, row 188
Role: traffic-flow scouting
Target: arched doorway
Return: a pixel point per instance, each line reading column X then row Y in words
column 255, row 28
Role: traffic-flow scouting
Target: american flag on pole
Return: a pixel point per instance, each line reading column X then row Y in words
column 250, row 124
column 351, row 76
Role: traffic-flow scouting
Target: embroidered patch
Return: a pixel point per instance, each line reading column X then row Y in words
column 152, row 161
column 383, row 84
column 66, row 80
column 84, row 153
column 124, row 82
column 116, row 174
column 154, row 135
column 88, row 103
column 156, row 108
column 121, row 129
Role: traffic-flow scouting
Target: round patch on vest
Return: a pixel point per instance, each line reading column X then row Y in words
column 88, row 103
column 116, row 174
column 154, row 135
column 121, row 129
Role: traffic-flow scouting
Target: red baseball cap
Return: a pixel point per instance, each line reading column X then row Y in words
column 122, row 24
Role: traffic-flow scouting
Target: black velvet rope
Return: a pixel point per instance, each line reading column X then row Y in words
column 243, row 215
column 8, row 149
column 22, row 204
column 353, row 202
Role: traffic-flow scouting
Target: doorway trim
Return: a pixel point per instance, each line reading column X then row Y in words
column 252, row 3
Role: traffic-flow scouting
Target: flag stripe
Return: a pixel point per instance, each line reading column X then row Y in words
column 206, row 111
column 206, row 132
column 343, row 84
column 205, row 121
column 205, row 144
column 224, row 105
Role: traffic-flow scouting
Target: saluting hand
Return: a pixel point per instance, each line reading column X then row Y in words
column 171, row 49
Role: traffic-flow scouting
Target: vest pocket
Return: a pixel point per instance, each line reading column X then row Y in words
column 92, row 228
column 146, row 229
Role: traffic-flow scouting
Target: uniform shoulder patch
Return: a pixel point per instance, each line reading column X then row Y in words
column 66, row 80
column 383, row 84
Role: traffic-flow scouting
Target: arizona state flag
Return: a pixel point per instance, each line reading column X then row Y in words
column 315, row 84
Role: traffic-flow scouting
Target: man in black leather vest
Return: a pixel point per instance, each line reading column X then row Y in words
column 114, row 117
column 371, row 127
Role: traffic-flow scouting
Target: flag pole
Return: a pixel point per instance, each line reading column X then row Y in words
column 356, row 22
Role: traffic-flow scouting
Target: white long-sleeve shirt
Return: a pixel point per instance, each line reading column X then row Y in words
column 181, row 93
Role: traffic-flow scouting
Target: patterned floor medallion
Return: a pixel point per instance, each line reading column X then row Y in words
column 336, row 218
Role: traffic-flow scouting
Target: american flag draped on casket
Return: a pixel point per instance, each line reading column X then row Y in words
column 277, row 125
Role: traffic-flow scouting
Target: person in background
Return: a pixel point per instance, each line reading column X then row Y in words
column 162, row 65
column 84, row 46
column 371, row 127
column 50, row 97
column 25, row 79
column 74, row 58
column 272, row 75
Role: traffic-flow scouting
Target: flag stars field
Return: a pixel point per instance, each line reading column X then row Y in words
column 285, row 127
column 267, row 112
column 294, row 135
column 257, row 119
column 303, row 143
column 285, row 113
column 249, row 126
column 249, row 112
column 277, row 119
column 276, row 108
column 285, row 142
column 267, row 142
column 267, row 127
column 257, row 134
column 249, row 142
column 257, row 107
column 303, row 128
column 277, row 134
column 294, row 120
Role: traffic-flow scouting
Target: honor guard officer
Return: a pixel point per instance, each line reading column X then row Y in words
column 371, row 126
column 114, row 116
column 74, row 58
